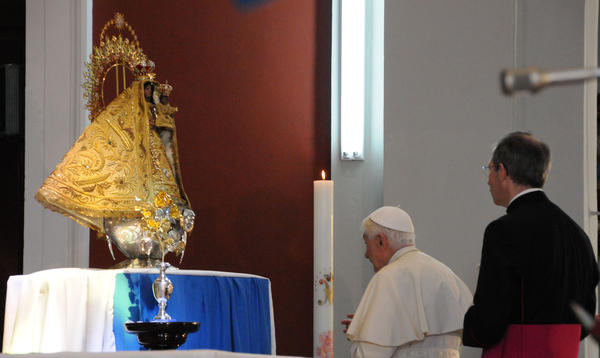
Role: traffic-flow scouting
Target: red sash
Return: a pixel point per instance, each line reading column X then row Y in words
column 537, row 340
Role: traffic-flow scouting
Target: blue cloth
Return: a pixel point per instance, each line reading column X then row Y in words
column 233, row 312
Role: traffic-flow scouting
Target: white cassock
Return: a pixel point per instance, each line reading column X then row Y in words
column 413, row 307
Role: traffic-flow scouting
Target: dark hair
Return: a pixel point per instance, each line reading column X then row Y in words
column 525, row 158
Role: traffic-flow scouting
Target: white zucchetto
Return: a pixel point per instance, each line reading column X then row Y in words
column 392, row 217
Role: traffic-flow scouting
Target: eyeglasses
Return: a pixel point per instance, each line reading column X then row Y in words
column 487, row 168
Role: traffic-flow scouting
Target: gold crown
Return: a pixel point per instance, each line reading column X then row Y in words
column 165, row 89
column 119, row 48
column 144, row 70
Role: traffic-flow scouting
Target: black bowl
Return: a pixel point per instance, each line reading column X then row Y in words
column 161, row 335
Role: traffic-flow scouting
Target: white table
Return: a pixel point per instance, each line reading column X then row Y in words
column 71, row 309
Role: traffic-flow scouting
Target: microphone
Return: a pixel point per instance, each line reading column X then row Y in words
column 533, row 79
column 586, row 319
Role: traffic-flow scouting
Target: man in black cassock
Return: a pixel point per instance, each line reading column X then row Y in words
column 535, row 259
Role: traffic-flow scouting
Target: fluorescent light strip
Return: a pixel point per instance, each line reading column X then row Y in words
column 352, row 86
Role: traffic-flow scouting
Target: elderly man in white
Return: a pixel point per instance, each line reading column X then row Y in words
column 414, row 304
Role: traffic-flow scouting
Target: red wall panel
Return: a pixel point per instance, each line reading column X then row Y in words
column 252, row 86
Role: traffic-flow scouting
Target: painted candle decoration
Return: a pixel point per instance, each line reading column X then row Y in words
column 323, row 268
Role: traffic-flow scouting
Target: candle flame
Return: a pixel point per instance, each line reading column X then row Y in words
column 323, row 174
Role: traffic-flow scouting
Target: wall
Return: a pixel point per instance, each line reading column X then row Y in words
column 443, row 111
column 252, row 87
column 56, row 46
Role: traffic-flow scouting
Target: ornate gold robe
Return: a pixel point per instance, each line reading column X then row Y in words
column 117, row 165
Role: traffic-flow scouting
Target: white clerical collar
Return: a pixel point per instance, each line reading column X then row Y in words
column 401, row 252
column 526, row 191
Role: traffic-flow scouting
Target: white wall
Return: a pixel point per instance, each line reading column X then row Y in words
column 58, row 42
column 444, row 110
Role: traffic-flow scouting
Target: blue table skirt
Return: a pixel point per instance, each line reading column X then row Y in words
column 234, row 312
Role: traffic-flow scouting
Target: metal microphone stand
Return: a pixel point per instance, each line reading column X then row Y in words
column 533, row 79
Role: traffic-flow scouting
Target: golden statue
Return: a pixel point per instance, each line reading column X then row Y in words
column 126, row 160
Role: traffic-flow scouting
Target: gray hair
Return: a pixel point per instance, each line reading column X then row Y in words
column 397, row 239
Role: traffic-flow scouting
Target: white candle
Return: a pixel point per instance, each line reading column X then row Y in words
column 323, row 268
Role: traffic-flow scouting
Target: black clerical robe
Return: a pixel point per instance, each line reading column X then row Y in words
column 535, row 260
